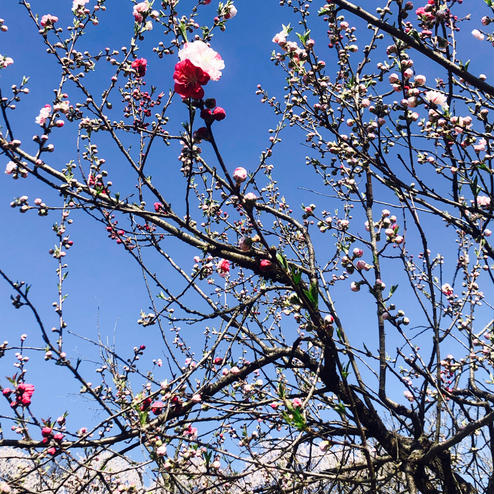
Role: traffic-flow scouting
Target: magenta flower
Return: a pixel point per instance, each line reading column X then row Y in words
column 189, row 80
column 223, row 267
column 140, row 66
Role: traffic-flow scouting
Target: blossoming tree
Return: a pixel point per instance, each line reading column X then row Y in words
column 283, row 386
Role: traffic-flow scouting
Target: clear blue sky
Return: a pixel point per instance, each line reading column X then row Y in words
column 105, row 288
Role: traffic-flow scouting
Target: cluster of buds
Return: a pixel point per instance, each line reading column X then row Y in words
column 21, row 396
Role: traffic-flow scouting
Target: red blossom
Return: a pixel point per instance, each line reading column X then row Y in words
column 219, row 113
column 140, row 66
column 189, row 80
column 265, row 264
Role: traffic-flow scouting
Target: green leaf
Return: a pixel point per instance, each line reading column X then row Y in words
column 281, row 390
column 183, row 31
column 296, row 275
column 143, row 417
column 392, row 290
column 282, row 260
column 341, row 409
column 303, row 37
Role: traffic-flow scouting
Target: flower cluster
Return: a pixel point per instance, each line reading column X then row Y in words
column 22, row 396
column 140, row 10
column 198, row 64
column 48, row 20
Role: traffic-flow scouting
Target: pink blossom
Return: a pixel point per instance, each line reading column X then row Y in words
column 478, row 35
column 354, row 286
column 447, row 289
column 140, row 9
column 483, row 201
column 204, row 57
column 487, row 232
column 190, row 431
column 436, row 98
column 420, row 80
column 62, row 106
column 232, row 12
column 5, row 61
column 76, row 4
column 223, row 267
column 250, row 197
column 43, row 116
column 46, row 431
column 48, row 20
column 157, row 407
column 394, row 78
column 161, row 451
column 58, row 436
column 280, row 38
column 408, row 395
column 360, row 265
column 358, row 252
column 139, row 65
column 240, row 174
column 297, row 402
column 10, row 168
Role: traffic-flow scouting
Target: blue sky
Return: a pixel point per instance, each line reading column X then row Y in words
column 105, row 288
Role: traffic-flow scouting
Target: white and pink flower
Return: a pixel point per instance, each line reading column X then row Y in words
column 44, row 115
column 478, row 35
column 231, row 12
column 5, row 61
column 140, row 9
column 77, row 4
column 223, row 268
column 10, row 168
column 203, row 57
column 436, row 98
column 483, row 201
column 447, row 289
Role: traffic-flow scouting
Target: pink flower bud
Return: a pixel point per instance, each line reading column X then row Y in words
column 478, row 35
column 219, row 113
column 240, row 174
column 420, row 80
column 394, row 78
column 265, row 264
